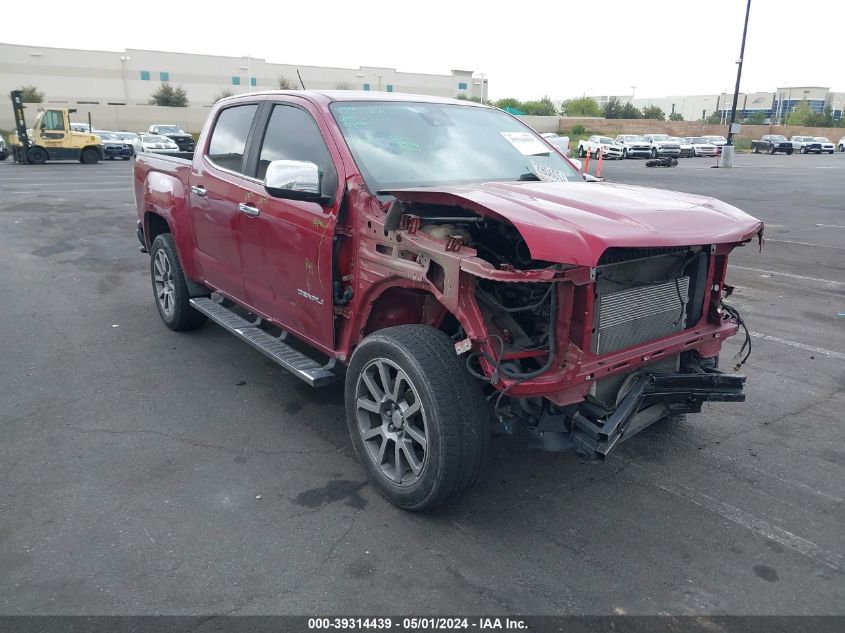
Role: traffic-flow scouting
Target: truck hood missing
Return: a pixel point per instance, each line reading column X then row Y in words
column 574, row 223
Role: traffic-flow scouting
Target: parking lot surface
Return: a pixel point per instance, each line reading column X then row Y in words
column 144, row 471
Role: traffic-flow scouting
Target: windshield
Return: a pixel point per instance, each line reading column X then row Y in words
column 700, row 141
column 606, row 140
column 821, row 139
column 170, row 129
column 406, row 144
column 660, row 137
column 777, row 137
column 128, row 136
column 107, row 136
column 717, row 139
column 156, row 139
column 629, row 139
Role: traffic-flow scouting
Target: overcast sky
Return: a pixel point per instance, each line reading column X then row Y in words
column 527, row 50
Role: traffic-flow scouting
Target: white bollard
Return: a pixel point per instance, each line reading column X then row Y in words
column 727, row 158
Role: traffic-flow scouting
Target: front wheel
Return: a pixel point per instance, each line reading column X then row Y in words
column 170, row 287
column 89, row 156
column 803, row 150
column 772, row 150
column 419, row 423
column 624, row 153
column 36, row 155
column 789, row 152
column 581, row 152
column 653, row 152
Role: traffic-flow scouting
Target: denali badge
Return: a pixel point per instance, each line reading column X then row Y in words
column 309, row 296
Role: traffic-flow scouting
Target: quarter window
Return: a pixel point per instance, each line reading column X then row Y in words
column 292, row 134
column 228, row 140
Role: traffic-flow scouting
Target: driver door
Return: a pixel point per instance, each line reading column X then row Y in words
column 53, row 130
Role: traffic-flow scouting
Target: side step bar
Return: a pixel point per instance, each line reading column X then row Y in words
column 274, row 348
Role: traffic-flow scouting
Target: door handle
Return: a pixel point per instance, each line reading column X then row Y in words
column 250, row 210
column 198, row 191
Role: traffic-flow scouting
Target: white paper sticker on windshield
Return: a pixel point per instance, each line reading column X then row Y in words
column 546, row 173
column 527, row 144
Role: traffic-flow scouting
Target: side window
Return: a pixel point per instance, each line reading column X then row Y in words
column 53, row 120
column 292, row 134
column 228, row 140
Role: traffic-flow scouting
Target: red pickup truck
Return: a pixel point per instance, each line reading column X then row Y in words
column 453, row 266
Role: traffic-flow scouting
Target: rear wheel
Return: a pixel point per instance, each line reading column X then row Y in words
column 89, row 156
column 803, row 150
column 581, row 152
column 772, row 149
column 789, row 152
column 624, row 152
column 755, row 149
column 170, row 287
column 418, row 421
column 37, row 155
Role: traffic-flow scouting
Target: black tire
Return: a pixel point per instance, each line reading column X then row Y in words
column 830, row 152
column 455, row 416
column 183, row 316
column 803, row 150
column 36, row 155
column 842, row 147
column 654, row 152
column 89, row 156
column 755, row 149
column 772, row 149
column 581, row 152
column 624, row 153
column 789, row 152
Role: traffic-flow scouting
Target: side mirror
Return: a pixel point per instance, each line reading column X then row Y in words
column 294, row 180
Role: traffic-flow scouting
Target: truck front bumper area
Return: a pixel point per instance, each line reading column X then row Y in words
column 651, row 397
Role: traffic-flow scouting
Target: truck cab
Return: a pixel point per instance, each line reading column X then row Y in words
column 460, row 268
column 51, row 138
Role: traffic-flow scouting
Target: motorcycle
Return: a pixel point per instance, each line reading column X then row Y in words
column 665, row 161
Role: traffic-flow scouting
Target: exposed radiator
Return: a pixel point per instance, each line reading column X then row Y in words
column 640, row 314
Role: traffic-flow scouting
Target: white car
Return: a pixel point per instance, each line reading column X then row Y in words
column 603, row 144
column 686, row 146
column 841, row 144
column 663, row 145
column 806, row 144
column 633, row 145
column 80, row 127
column 702, row 147
column 827, row 144
column 560, row 142
column 158, row 144
column 718, row 141
column 132, row 139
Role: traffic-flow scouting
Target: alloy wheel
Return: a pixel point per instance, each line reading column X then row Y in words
column 165, row 288
column 391, row 421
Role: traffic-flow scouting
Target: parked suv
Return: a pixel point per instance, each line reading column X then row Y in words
column 771, row 144
column 179, row 136
column 465, row 297
column 663, row 145
column 633, row 145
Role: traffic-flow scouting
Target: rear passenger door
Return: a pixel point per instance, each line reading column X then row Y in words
column 286, row 245
column 216, row 190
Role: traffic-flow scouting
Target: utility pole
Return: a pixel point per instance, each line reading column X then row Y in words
column 727, row 156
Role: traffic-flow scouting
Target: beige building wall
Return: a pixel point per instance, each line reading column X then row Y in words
column 130, row 77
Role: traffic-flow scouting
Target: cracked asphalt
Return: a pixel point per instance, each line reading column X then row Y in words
column 145, row 472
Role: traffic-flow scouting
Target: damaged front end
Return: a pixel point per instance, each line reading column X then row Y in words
column 580, row 356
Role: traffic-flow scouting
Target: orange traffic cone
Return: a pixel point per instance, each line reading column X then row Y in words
column 598, row 164
column 586, row 164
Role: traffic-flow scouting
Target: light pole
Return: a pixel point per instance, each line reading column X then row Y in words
column 482, row 87
column 247, row 69
column 123, row 60
column 727, row 156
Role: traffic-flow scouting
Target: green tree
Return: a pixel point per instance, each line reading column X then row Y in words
column 613, row 109
column 756, row 118
column 583, row 106
column 801, row 114
column 630, row 111
column 541, row 107
column 31, row 94
column 676, row 116
column 654, row 112
column 714, row 118
column 509, row 102
column 286, row 84
column 462, row 96
column 578, row 130
column 167, row 95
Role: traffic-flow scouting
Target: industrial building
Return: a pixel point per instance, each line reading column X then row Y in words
column 777, row 104
column 129, row 77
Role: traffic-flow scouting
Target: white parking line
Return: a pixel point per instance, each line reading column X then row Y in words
column 832, row 226
column 65, row 184
column 802, row 346
column 774, row 273
column 838, row 248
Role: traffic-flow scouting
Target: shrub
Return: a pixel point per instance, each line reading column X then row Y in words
column 167, row 95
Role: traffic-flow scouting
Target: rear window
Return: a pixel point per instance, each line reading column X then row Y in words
column 228, row 140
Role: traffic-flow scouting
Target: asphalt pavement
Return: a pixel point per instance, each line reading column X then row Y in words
column 144, row 471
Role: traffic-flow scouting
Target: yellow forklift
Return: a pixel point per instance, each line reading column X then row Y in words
column 51, row 137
